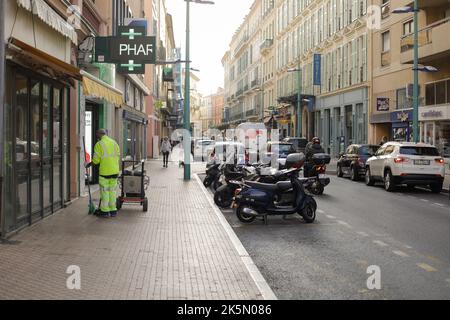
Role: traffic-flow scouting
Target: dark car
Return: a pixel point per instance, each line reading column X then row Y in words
column 279, row 151
column 299, row 144
column 353, row 161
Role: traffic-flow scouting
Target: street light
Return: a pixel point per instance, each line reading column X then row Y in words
column 415, row 9
column 299, row 99
column 187, row 100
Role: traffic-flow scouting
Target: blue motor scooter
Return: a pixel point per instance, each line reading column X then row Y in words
column 256, row 199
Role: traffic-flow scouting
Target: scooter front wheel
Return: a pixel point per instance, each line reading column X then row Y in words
column 223, row 198
column 243, row 217
column 309, row 211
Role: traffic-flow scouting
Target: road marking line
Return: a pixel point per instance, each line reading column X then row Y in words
column 380, row 243
column 426, row 267
column 320, row 211
column 424, row 200
column 344, row 224
column 401, row 253
column 408, row 247
column 439, row 204
column 362, row 233
column 330, row 217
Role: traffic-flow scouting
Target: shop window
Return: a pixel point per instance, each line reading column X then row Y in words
column 443, row 138
column 440, row 92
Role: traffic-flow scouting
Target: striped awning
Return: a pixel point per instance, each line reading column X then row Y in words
column 96, row 88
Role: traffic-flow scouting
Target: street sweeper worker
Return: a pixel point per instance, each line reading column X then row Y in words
column 107, row 156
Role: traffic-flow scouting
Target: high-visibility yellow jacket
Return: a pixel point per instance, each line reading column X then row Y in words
column 107, row 154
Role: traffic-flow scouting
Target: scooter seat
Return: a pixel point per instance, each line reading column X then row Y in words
column 279, row 186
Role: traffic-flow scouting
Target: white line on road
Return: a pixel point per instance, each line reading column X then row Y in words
column 320, row 211
column 424, row 200
column 330, row 216
column 438, row 204
column 362, row 233
column 380, row 243
column 344, row 224
column 401, row 253
column 426, row 267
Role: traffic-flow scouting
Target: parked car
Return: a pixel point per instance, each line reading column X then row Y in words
column 353, row 161
column 202, row 148
column 299, row 144
column 279, row 150
column 407, row 163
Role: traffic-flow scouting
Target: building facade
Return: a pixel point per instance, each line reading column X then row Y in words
column 326, row 41
column 57, row 96
column 391, row 112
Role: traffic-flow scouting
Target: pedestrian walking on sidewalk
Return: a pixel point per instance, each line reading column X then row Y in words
column 166, row 148
column 107, row 155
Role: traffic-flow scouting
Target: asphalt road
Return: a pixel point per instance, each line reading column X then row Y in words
column 406, row 234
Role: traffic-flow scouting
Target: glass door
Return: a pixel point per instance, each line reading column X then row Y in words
column 20, row 145
column 35, row 148
column 46, row 148
column 57, row 148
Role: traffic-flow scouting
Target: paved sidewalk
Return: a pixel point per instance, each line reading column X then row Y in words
column 180, row 249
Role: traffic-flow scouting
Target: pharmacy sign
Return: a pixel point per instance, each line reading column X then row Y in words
column 131, row 50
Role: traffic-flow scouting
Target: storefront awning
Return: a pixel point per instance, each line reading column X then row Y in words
column 36, row 57
column 98, row 89
column 50, row 17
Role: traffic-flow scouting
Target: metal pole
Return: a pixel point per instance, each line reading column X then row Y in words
column 2, row 113
column 299, row 103
column 187, row 100
column 416, row 73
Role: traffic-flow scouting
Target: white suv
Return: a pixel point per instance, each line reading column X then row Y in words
column 407, row 163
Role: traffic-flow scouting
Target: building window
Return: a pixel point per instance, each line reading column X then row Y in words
column 408, row 27
column 386, row 41
column 403, row 102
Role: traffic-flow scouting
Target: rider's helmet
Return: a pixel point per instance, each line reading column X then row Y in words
column 315, row 140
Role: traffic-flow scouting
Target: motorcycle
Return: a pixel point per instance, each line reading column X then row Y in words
column 223, row 196
column 212, row 174
column 316, row 168
column 257, row 199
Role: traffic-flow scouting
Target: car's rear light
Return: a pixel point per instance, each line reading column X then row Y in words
column 401, row 160
column 237, row 191
column 440, row 161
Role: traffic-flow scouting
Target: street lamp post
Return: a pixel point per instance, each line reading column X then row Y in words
column 187, row 94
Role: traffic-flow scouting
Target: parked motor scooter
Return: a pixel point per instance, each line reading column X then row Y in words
column 316, row 168
column 212, row 173
column 257, row 199
column 223, row 196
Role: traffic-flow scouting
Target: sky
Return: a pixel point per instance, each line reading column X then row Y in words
column 212, row 27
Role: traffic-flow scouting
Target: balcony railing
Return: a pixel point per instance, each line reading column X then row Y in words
column 433, row 41
column 239, row 93
column 255, row 83
column 266, row 45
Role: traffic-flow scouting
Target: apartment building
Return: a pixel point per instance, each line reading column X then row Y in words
column 243, row 70
column 391, row 111
column 327, row 40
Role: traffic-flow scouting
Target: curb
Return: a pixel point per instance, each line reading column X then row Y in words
column 256, row 275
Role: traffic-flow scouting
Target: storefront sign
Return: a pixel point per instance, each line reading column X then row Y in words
column 432, row 114
column 435, row 113
column 383, row 104
column 401, row 116
column 131, row 50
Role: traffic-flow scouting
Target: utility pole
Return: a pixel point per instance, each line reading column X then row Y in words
column 416, row 73
column 2, row 113
column 187, row 101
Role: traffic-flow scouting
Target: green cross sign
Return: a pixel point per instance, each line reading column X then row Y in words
column 130, row 65
column 131, row 34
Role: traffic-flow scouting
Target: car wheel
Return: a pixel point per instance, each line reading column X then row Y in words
column 340, row 173
column 389, row 185
column 368, row 178
column 436, row 187
column 354, row 175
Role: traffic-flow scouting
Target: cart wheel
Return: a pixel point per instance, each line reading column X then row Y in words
column 118, row 204
column 145, row 205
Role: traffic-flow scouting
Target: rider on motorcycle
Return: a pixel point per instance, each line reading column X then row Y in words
column 311, row 149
